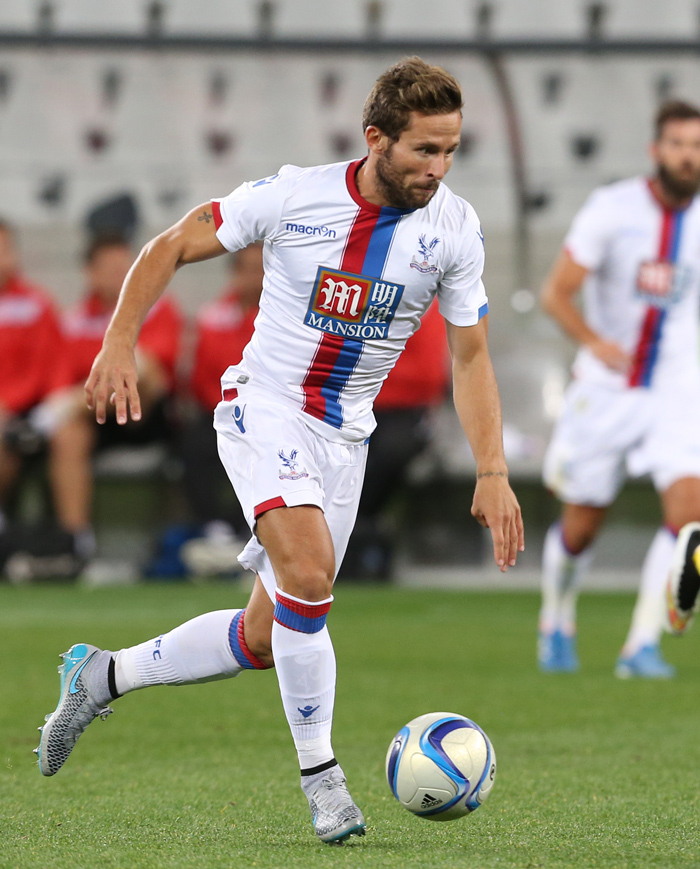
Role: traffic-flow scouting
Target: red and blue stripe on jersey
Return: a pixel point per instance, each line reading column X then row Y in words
column 647, row 351
column 366, row 252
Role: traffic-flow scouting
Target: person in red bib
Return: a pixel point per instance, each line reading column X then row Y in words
column 417, row 384
column 74, row 434
column 222, row 330
column 30, row 342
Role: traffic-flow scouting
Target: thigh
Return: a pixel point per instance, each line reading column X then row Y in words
column 585, row 460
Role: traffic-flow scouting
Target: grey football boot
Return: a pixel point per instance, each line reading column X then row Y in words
column 333, row 813
column 84, row 696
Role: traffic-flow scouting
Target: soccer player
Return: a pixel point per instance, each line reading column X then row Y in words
column 635, row 398
column 346, row 282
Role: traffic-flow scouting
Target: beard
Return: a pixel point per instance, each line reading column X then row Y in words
column 679, row 186
column 391, row 183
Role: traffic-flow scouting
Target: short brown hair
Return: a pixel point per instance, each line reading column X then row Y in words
column 101, row 241
column 674, row 110
column 411, row 85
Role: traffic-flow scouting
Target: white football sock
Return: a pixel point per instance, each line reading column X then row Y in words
column 649, row 612
column 562, row 574
column 305, row 663
column 200, row 650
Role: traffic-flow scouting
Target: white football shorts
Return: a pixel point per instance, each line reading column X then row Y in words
column 605, row 434
column 274, row 459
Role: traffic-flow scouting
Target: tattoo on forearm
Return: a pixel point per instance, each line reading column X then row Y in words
column 491, row 474
column 206, row 216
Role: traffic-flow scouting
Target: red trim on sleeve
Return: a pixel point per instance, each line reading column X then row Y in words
column 230, row 394
column 216, row 211
column 269, row 505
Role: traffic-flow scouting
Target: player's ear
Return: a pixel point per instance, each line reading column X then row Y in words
column 377, row 140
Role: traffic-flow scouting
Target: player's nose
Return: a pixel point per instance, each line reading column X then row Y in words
column 438, row 167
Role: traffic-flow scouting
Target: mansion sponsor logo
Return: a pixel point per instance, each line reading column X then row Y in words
column 323, row 231
column 661, row 283
column 352, row 306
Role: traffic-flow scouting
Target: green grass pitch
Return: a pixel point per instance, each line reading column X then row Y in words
column 592, row 771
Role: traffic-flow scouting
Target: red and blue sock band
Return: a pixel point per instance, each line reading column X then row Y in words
column 301, row 615
column 240, row 650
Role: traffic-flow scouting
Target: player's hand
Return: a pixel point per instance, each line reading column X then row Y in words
column 496, row 507
column 113, row 379
column 611, row 355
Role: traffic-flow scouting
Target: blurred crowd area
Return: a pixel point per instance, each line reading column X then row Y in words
column 105, row 144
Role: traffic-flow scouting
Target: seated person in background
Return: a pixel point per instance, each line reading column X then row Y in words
column 29, row 347
column 223, row 328
column 74, row 434
column 418, row 383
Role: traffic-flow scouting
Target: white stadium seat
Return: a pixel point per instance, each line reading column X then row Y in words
column 125, row 17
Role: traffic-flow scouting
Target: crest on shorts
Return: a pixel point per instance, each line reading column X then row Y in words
column 290, row 466
column 426, row 253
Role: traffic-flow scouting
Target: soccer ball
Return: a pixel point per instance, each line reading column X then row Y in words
column 441, row 766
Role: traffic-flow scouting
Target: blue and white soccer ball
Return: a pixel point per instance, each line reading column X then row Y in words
column 441, row 766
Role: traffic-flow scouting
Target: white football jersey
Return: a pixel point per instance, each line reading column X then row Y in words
column 346, row 283
column 644, row 283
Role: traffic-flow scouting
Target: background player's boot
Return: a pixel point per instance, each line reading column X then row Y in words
column 333, row 813
column 683, row 586
column 85, row 693
column 645, row 663
column 556, row 652
column 568, row 654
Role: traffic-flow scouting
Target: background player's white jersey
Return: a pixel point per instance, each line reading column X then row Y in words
column 346, row 283
column 644, row 284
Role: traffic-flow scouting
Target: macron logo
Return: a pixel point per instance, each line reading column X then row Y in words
column 323, row 231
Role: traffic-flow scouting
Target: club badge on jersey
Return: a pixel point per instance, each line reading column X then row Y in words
column 353, row 306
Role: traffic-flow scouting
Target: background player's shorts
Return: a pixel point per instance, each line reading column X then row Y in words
column 274, row 459
column 604, row 434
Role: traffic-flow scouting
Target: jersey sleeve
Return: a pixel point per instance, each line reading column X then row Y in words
column 587, row 240
column 461, row 294
column 252, row 212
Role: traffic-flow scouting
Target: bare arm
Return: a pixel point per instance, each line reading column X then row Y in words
column 558, row 293
column 479, row 411
column 113, row 375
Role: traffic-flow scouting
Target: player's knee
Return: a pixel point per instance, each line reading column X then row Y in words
column 306, row 582
column 579, row 540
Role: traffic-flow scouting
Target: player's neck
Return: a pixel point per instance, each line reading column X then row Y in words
column 666, row 198
column 367, row 186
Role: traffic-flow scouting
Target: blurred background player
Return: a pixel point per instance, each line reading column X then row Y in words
column 223, row 328
column 417, row 384
column 635, row 400
column 75, row 436
column 30, row 344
